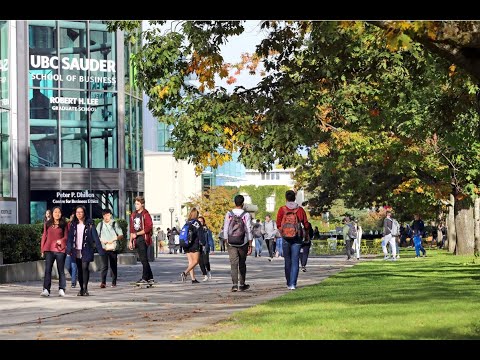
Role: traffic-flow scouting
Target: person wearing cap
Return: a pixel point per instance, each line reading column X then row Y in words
column 110, row 235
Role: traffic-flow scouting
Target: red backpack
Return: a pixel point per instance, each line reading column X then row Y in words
column 291, row 227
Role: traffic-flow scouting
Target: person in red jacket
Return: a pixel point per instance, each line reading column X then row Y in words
column 141, row 228
column 53, row 244
column 293, row 225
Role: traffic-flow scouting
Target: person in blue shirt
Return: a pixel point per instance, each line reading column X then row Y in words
column 417, row 228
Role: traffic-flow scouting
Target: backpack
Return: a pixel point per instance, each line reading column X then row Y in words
column 352, row 232
column 186, row 234
column 291, row 227
column 395, row 230
column 257, row 230
column 236, row 229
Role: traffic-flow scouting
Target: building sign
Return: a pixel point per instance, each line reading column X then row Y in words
column 8, row 210
column 43, row 62
column 75, row 197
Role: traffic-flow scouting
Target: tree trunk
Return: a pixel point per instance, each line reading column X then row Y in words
column 477, row 225
column 451, row 233
column 464, row 226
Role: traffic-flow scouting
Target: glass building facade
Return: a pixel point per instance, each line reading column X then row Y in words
column 5, row 136
column 79, row 118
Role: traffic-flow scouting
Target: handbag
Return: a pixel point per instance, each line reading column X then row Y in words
column 111, row 246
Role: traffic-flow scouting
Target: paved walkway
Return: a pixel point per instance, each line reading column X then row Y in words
column 170, row 310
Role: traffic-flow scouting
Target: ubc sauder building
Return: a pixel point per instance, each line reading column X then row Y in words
column 71, row 119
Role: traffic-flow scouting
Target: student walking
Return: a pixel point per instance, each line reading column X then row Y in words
column 190, row 236
column 70, row 263
column 141, row 227
column 82, row 238
column 258, row 237
column 53, row 244
column 110, row 235
column 269, row 229
column 418, row 227
column 305, row 248
column 206, row 246
column 292, row 223
column 391, row 229
column 237, row 231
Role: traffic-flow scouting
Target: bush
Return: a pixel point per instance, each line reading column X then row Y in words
column 21, row 243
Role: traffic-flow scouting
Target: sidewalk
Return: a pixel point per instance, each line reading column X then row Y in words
column 170, row 310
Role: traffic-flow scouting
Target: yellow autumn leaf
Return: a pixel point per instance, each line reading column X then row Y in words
column 451, row 70
column 323, row 149
column 206, row 128
column 419, row 189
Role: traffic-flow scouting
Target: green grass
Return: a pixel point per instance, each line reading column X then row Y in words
column 436, row 297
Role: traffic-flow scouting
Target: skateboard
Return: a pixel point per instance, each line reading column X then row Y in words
column 143, row 285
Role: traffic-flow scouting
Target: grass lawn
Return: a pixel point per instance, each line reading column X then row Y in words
column 437, row 297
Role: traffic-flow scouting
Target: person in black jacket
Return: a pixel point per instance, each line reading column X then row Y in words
column 82, row 238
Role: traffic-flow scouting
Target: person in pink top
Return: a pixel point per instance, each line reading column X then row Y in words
column 53, row 244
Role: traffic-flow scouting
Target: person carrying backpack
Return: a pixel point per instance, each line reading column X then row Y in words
column 391, row 229
column 110, row 235
column 293, row 225
column 238, row 234
column 190, row 236
column 349, row 235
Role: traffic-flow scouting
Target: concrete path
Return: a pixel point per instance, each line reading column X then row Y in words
column 170, row 310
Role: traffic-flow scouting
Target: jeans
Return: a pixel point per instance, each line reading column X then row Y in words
column 50, row 257
column 304, row 252
column 279, row 242
column 348, row 248
column 291, row 254
column 258, row 246
column 83, row 273
column 238, row 265
column 110, row 256
column 71, row 266
column 270, row 246
column 204, row 262
column 142, row 254
column 417, row 240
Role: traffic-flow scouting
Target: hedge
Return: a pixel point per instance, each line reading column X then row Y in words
column 21, row 243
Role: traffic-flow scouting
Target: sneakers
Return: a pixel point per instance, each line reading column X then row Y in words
column 74, row 285
column 209, row 274
column 234, row 288
column 103, row 285
column 114, row 285
column 151, row 281
column 205, row 278
column 45, row 293
column 80, row 293
column 183, row 276
column 61, row 293
column 304, row 269
column 85, row 293
column 195, row 281
column 142, row 281
column 386, row 257
column 291, row 287
column 244, row 287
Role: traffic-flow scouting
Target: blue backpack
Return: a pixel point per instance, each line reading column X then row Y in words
column 186, row 234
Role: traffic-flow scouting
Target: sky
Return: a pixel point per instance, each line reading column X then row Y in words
column 232, row 51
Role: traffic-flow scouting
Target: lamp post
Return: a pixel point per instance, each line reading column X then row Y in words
column 171, row 217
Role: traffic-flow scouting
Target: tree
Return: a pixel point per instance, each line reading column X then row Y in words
column 378, row 114
column 213, row 204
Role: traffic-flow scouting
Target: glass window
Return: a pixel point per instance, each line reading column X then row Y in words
column 157, row 218
column 270, row 203
column 73, row 54
column 43, row 128
column 74, row 135
column 128, row 143
column 44, row 62
column 102, row 57
column 103, row 130
column 5, row 176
